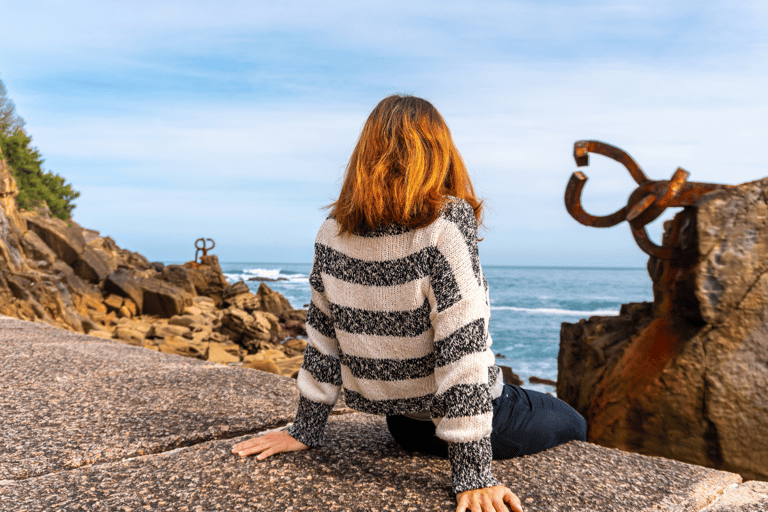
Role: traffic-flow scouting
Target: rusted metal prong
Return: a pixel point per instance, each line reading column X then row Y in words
column 582, row 148
column 650, row 248
column 203, row 248
column 573, row 205
column 645, row 204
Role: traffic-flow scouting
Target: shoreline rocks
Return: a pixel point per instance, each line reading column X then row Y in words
column 62, row 274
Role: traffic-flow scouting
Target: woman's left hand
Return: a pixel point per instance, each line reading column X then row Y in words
column 268, row 445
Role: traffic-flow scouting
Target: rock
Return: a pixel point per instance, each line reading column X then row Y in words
column 294, row 347
column 183, row 347
column 65, row 240
column 510, row 377
column 261, row 363
column 91, row 266
column 113, row 302
column 159, row 330
column 271, row 301
column 222, row 353
column 185, row 320
column 178, row 276
column 34, row 247
column 686, row 378
column 233, row 290
column 207, row 277
column 244, row 329
column 538, row 380
column 132, row 336
column 290, row 366
column 151, row 296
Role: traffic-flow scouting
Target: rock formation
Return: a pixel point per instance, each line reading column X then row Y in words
column 62, row 274
column 686, row 377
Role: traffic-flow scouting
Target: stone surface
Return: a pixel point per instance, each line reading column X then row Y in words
column 687, row 377
column 71, row 400
column 102, row 426
column 748, row 497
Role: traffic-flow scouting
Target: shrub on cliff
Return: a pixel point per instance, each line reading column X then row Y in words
column 26, row 165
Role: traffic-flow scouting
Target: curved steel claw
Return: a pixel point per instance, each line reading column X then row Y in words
column 573, row 205
column 204, row 247
column 645, row 204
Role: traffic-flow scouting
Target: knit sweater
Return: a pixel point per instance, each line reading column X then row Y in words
column 399, row 317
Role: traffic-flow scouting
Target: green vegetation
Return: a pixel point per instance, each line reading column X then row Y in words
column 26, row 165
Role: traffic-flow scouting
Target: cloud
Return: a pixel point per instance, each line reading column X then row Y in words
column 199, row 114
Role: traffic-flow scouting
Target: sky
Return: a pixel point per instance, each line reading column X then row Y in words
column 234, row 120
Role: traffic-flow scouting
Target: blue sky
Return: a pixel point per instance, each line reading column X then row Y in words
column 234, row 120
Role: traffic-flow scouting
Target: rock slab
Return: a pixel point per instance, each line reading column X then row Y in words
column 93, row 424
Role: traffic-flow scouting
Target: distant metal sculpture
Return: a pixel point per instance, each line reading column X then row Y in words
column 645, row 204
column 204, row 248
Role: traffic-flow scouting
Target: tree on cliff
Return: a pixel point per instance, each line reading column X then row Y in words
column 26, row 165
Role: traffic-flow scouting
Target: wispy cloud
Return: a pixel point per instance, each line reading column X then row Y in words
column 153, row 109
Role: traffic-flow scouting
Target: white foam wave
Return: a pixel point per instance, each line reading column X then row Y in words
column 555, row 311
column 268, row 274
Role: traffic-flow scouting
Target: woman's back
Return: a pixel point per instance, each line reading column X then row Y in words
column 383, row 299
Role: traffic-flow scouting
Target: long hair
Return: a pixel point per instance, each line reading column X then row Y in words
column 402, row 170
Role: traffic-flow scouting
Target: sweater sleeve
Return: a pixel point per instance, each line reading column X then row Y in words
column 462, row 405
column 319, row 378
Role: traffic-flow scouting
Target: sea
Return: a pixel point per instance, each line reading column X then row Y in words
column 528, row 305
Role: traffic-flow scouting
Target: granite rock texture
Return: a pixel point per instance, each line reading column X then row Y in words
column 71, row 400
column 99, row 425
column 687, row 376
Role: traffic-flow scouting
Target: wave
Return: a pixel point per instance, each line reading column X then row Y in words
column 267, row 274
column 556, row 311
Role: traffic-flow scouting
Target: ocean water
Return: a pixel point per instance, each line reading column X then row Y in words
column 528, row 304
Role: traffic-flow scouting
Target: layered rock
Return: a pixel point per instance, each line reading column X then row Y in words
column 686, row 377
column 60, row 273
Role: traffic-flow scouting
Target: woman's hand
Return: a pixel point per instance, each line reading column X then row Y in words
column 268, row 444
column 488, row 499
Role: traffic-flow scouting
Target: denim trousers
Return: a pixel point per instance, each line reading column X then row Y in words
column 524, row 422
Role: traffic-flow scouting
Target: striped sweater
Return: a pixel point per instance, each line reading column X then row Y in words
column 399, row 317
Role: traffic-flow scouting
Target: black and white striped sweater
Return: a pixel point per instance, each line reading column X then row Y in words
column 399, row 317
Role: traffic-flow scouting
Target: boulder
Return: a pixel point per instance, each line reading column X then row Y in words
column 207, row 277
column 686, row 377
column 151, row 296
column 272, row 301
column 178, row 276
column 65, row 240
column 245, row 329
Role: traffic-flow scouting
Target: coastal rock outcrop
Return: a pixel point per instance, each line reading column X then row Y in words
column 59, row 273
column 686, row 377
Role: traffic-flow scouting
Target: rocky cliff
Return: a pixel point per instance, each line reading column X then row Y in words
column 686, row 377
column 67, row 276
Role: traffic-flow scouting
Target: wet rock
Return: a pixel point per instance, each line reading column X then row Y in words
column 510, row 377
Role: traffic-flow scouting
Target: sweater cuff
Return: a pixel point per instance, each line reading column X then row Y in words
column 309, row 425
column 471, row 465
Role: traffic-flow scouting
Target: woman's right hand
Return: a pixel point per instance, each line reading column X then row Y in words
column 268, row 445
column 488, row 499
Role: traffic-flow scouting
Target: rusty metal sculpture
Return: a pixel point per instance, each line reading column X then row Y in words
column 204, row 248
column 645, row 204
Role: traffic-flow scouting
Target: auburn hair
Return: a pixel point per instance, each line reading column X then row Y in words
column 403, row 169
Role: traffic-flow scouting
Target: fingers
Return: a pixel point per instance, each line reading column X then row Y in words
column 462, row 500
column 266, row 443
column 513, row 500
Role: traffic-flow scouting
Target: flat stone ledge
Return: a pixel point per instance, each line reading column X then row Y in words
column 91, row 424
column 362, row 469
column 750, row 496
column 70, row 400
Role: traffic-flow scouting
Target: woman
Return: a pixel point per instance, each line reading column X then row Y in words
column 399, row 314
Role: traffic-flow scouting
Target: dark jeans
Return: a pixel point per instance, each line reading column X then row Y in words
column 524, row 422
